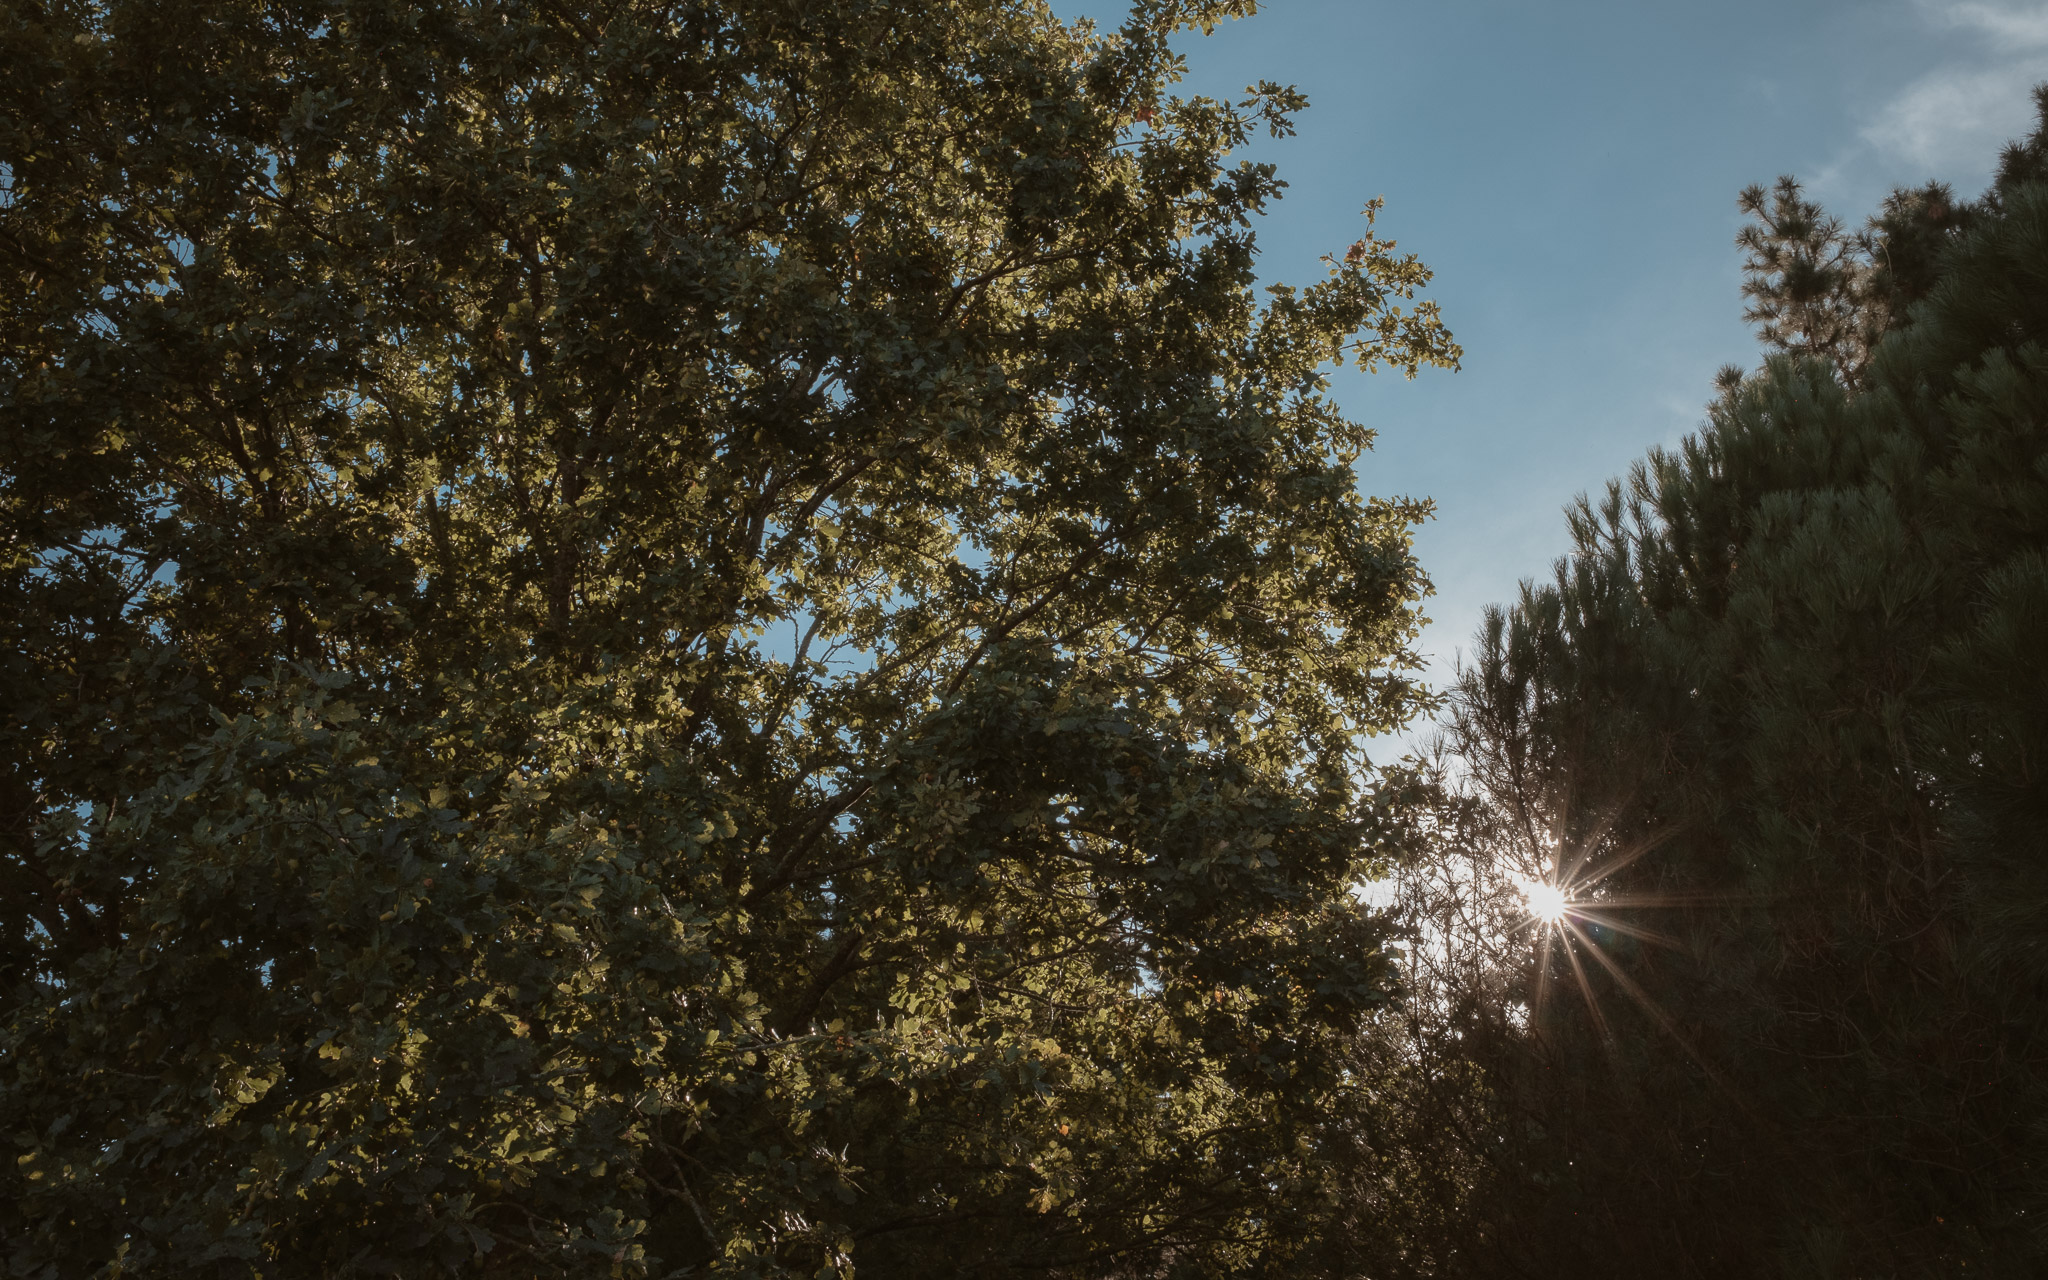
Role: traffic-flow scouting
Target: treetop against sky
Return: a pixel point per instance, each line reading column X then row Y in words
column 1570, row 171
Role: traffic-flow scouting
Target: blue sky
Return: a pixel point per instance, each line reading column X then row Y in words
column 1569, row 170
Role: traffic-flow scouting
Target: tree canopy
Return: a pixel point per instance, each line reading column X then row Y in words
column 731, row 638
column 1777, row 729
column 642, row 636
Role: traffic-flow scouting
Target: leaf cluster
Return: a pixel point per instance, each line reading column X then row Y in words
column 717, row 637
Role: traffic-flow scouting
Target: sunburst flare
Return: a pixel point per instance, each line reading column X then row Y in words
column 1547, row 902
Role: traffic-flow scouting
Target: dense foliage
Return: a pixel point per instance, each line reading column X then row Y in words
column 1779, row 725
column 639, row 636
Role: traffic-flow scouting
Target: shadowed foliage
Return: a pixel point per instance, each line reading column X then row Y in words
column 1778, row 727
column 642, row 638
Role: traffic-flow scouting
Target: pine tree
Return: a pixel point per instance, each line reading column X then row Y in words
column 1815, row 290
column 1777, row 727
column 649, row 636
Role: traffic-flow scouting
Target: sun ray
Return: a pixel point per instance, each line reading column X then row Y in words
column 1586, row 990
column 1656, row 1011
column 1636, row 849
column 1560, row 821
column 1605, row 921
column 1678, row 898
column 1591, row 841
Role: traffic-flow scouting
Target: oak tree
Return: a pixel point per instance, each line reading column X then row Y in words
column 713, row 634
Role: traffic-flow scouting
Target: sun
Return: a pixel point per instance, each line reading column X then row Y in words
column 1546, row 901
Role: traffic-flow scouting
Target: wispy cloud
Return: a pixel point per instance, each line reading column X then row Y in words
column 1950, row 122
column 1957, row 117
column 2024, row 26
